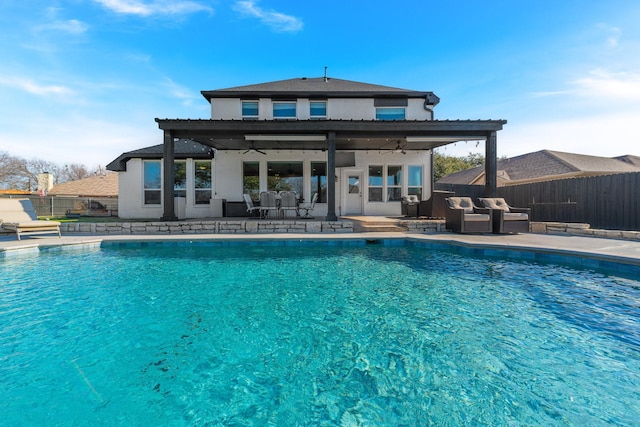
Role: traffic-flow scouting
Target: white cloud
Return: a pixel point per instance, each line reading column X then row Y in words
column 610, row 86
column 71, row 26
column 134, row 7
column 613, row 34
column 184, row 94
column 32, row 87
column 600, row 85
column 276, row 20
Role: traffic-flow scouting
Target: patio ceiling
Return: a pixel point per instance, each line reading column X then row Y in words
column 311, row 134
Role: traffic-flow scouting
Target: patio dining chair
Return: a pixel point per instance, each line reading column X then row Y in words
column 308, row 207
column 288, row 203
column 268, row 204
column 251, row 208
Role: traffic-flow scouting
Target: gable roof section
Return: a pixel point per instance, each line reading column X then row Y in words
column 183, row 149
column 545, row 165
column 585, row 163
column 634, row 160
column 316, row 87
column 465, row 177
column 94, row 186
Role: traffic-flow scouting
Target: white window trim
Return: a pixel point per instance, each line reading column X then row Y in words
column 295, row 104
column 249, row 117
column 326, row 106
column 391, row 108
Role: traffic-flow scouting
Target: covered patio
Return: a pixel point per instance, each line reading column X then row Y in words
column 326, row 135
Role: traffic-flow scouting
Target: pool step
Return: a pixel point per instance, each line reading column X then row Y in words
column 378, row 226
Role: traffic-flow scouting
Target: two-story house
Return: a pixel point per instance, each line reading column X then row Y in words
column 360, row 146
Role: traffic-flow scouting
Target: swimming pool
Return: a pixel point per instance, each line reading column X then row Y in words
column 314, row 333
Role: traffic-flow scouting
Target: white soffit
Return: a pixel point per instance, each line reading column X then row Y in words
column 441, row 138
column 285, row 137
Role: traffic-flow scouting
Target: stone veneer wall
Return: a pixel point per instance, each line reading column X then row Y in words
column 230, row 227
column 419, row 226
column 208, row 227
column 579, row 229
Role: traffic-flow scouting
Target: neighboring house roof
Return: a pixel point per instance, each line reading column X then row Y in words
column 316, row 86
column 94, row 186
column 542, row 166
column 634, row 160
column 15, row 192
column 183, row 149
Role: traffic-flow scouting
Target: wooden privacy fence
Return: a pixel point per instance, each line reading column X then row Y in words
column 610, row 202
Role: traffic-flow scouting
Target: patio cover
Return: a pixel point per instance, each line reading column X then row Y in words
column 329, row 135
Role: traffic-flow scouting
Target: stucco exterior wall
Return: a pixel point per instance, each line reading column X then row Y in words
column 337, row 109
column 131, row 202
column 227, row 181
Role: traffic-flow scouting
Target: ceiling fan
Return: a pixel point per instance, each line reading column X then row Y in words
column 253, row 149
column 398, row 150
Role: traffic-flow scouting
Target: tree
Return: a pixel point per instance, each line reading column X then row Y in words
column 36, row 166
column 19, row 174
column 75, row 171
column 444, row 165
column 13, row 172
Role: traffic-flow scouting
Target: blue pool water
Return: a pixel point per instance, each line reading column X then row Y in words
column 314, row 334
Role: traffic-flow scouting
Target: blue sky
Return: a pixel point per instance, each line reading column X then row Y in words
column 81, row 81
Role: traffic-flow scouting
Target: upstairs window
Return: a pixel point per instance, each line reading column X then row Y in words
column 249, row 110
column 318, row 109
column 390, row 113
column 284, row 110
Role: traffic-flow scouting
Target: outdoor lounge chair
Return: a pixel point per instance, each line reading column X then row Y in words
column 462, row 216
column 507, row 219
column 251, row 209
column 308, row 207
column 268, row 204
column 19, row 215
column 288, row 202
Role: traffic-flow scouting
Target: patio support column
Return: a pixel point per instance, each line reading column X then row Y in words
column 491, row 165
column 168, row 177
column 331, row 178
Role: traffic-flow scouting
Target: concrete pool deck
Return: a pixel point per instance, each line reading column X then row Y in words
column 612, row 250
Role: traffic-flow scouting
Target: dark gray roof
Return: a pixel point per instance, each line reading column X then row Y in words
column 464, row 177
column 546, row 164
column 183, row 149
column 315, row 87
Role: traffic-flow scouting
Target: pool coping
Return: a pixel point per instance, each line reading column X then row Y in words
column 613, row 251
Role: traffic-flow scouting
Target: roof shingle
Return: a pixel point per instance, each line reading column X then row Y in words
column 95, row 186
